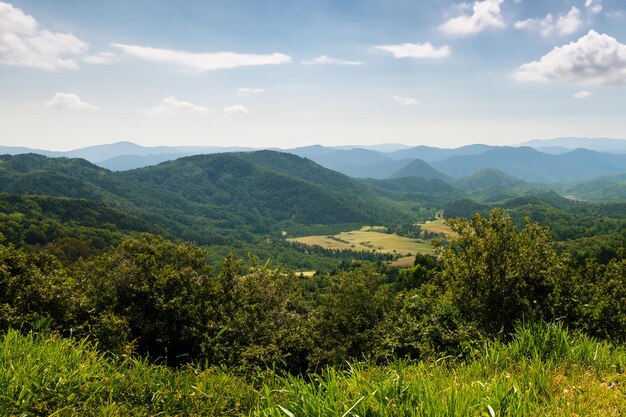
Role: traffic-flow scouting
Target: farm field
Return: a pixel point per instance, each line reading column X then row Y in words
column 436, row 226
column 369, row 238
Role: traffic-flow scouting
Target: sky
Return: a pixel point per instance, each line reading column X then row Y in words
column 288, row 73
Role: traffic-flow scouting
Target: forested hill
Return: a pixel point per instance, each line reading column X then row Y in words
column 209, row 197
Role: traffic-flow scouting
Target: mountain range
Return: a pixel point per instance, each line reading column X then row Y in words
column 550, row 161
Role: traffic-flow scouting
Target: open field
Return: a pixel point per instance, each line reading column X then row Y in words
column 369, row 238
column 436, row 226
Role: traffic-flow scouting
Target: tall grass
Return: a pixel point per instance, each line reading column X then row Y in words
column 544, row 371
column 48, row 375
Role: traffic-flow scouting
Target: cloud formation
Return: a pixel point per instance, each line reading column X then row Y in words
column 237, row 109
column 564, row 25
column 593, row 59
column 594, row 6
column 171, row 106
column 484, row 15
column 405, row 101
column 249, row 92
column 101, row 58
column 582, row 94
column 24, row 43
column 327, row 60
column 68, row 101
column 201, row 62
column 415, row 50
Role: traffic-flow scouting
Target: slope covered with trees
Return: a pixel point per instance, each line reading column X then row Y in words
column 79, row 268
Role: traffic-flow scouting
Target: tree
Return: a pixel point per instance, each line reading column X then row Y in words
column 152, row 292
column 497, row 275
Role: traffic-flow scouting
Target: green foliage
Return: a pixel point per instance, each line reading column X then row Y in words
column 152, row 291
column 594, row 299
column 264, row 320
column 234, row 201
column 350, row 307
column 544, row 370
column 47, row 375
column 497, row 275
column 33, row 287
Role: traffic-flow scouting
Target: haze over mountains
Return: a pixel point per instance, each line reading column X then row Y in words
column 550, row 161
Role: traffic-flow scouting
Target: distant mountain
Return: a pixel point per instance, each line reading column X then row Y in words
column 431, row 193
column 126, row 162
column 430, row 154
column 419, row 169
column 594, row 144
column 383, row 147
column 555, row 163
column 17, row 150
column 355, row 162
column 492, row 185
column 531, row 165
column 99, row 153
column 486, row 178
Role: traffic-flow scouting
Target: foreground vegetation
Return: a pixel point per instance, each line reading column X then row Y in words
column 138, row 323
column 543, row 370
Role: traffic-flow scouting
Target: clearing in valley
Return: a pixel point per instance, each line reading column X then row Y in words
column 369, row 238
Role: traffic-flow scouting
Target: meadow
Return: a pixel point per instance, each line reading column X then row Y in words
column 543, row 370
column 438, row 226
column 370, row 239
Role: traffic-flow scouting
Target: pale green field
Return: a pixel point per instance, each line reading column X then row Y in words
column 368, row 239
column 436, row 226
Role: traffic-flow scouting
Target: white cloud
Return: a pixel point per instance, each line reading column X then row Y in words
column 593, row 59
column 101, row 58
column 24, row 43
column 415, row 50
column 617, row 14
column 249, row 92
column 484, row 15
column 326, row 60
column 68, row 101
column 582, row 94
column 405, row 101
column 594, row 6
column 237, row 109
column 201, row 62
column 171, row 106
column 564, row 25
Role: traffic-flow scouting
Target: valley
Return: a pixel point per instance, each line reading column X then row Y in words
column 356, row 208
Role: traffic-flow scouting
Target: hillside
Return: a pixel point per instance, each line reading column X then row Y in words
column 358, row 163
column 531, row 165
column 486, row 178
column 594, row 144
column 608, row 188
column 207, row 196
column 419, row 169
column 430, row 193
column 492, row 185
column 433, row 154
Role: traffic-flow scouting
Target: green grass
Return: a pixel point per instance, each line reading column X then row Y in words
column 369, row 239
column 543, row 371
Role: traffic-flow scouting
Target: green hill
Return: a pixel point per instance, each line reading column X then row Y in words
column 420, row 169
column 210, row 198
column 487, row 178
column 431, row 193
column 607, row 188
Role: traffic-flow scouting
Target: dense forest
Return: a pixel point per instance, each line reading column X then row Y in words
column 130, row 278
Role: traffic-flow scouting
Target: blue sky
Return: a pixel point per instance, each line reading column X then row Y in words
column 291, row 73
